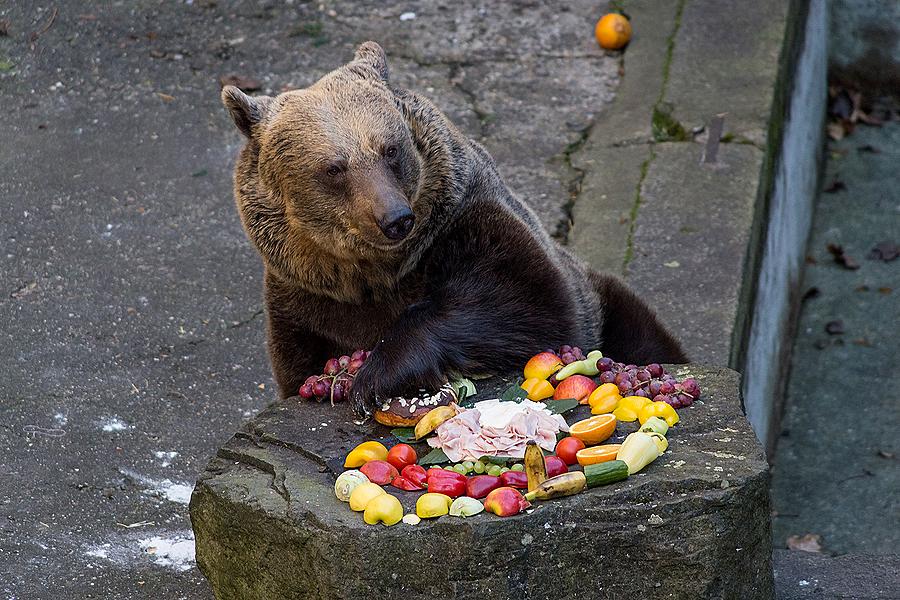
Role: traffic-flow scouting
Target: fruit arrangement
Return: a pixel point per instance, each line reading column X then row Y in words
column 506, row 486
column 336, row 379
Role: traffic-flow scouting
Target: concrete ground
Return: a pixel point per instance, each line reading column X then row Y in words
column 131, row 300
column 837, row 466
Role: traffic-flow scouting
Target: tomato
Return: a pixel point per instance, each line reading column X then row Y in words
column 402, row 455
column 567, row 448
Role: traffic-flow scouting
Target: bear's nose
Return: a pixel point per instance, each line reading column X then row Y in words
column 397, row 225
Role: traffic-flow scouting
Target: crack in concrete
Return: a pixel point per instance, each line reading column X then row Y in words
column 243, row 322
column 455, row 79
column 574, row 186
column 645, row 166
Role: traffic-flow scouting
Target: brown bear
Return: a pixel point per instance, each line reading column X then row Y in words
column 382, row 227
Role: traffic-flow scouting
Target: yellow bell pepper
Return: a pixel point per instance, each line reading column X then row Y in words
column 383, row 509
column 604, row 399
column 433, row 505
column 538, row 389
column 364, row 453
column 628, row 408
column 658, row 409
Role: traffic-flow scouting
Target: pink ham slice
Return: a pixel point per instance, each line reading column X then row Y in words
column 512, row 426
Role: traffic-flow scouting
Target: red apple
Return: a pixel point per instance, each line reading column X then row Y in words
column 542, row 366
column 578, row 387
column 505, row 502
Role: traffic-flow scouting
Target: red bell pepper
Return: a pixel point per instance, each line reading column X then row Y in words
column 401, row 482
column 415, row 474
column 450, row 483
column 555, row 466
column 516, row 479
column 480, row 486
column 444, row 474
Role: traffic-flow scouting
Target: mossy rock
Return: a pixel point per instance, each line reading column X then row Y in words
column 693, row 524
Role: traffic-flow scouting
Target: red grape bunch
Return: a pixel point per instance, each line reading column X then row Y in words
column 650, row 381
column 336, row 380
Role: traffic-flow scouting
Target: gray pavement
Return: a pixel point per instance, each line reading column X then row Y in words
column 837, row 465
column 130, row 300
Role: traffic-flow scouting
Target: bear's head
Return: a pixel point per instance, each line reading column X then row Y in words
column 337, row 161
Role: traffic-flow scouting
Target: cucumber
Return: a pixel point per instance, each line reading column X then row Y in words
column 605, row 473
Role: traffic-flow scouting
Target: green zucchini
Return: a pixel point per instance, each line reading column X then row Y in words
column 605, row 473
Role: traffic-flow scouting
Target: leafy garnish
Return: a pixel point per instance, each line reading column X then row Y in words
column 434, row 457
column 513, row 393
column 558, row 407
column 407, row 435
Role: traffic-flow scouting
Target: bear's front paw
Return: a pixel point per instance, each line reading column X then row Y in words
column 364, row 393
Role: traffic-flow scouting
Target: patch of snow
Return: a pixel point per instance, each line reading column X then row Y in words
column 803, row 583
column 113, row 424
column 176, row 552
column 99, row 551
column 165, row 488
column 60, row 418
column 408, row 16
column 165, row 458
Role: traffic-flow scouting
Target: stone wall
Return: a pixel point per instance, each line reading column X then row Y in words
column 865, row 44
column 784, row 219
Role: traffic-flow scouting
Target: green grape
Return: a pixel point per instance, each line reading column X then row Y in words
column 479, row 467
column 449, row 468
column 504, row 470
column 459, row 468
column 494, row 470
column 518, row 467
column 468, row 465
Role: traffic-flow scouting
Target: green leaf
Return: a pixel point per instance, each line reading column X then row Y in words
column 558, row 407
column 434, row 457
column 407, row 435
column 513, row 393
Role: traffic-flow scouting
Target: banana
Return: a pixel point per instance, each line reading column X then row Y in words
column 433, row 419
column 561, row 485
column 534, row 465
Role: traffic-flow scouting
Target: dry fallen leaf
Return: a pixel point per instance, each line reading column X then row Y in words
column 841, row 257
column 811, row 542
column 835, row 327
column 886, row 454
column 834, row 186
column 886, row 251
column 165, row 97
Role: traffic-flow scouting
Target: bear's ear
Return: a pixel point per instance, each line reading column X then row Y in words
column 372, row 54
column 246, row 111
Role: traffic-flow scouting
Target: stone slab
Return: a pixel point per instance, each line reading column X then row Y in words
column 690, row 240
column 693, row 524
column 726, row 60
column 814, row 576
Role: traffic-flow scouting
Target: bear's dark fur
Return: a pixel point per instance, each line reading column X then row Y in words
column 327, row 184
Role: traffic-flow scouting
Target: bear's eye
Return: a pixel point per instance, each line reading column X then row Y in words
column 390, row 152
column 333, row 171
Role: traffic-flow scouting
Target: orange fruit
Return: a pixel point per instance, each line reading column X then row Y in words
column 594, row 430
column 597, row 454
column 613, row 31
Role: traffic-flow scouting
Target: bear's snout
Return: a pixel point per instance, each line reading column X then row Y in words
column 397, row 224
